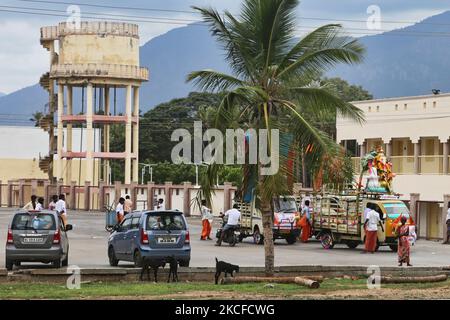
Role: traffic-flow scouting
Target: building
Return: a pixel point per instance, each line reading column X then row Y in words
column 21, row 152
column 89, row 63
column 414, row 132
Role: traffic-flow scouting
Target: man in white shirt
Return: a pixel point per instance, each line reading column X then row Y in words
column 233, row 220
column 447, row 221
column 61, row 208
column 371, row 228
column 119, row 210
column 161, row 206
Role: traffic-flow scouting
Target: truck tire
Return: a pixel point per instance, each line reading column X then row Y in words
column 258, row 238
column 327, row 241
column 394, row 247
column 352, row 244
column 291, row 239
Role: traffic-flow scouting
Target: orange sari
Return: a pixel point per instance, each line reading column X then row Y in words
column 206, row 229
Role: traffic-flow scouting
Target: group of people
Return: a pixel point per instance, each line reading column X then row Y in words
column 57, row 203
column 373, row 217
column 125, row 206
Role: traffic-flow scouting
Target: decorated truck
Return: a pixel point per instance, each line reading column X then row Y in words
column 339, row 218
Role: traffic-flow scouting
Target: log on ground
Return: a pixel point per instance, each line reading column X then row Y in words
column 425, row 279
column 248, row 279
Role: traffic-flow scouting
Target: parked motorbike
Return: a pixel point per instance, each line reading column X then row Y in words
column 231, row 235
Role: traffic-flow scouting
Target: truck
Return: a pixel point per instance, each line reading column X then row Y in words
column 339, row 218
column 286, row 216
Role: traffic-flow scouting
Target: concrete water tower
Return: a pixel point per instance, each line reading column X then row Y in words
column 88, row 66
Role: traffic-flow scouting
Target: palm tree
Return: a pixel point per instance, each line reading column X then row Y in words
column 272, row 81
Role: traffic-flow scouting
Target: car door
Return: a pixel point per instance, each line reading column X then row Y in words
column 121, row 239
column 64, row 239
column 131, row 236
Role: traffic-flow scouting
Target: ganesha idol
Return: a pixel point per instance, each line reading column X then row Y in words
column 379, row 173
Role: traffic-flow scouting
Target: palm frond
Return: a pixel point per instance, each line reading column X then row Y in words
column 318, row 99
column 321, row 52
column 210, row 80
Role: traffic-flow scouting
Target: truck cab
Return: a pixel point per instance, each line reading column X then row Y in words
column 286, row 216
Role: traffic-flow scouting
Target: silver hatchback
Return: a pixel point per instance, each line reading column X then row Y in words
column 37, row 236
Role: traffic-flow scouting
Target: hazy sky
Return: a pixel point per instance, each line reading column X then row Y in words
column 23, row 60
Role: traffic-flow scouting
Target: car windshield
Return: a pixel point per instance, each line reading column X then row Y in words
column 394, row 210
column 39, row 221
column 285, row 205
column 165, row 222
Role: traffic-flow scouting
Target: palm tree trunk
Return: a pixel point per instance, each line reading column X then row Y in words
column 267, row 221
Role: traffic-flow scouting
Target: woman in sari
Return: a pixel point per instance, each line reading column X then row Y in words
column 403, row 243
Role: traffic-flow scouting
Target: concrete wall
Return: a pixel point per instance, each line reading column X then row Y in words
column 83, row 49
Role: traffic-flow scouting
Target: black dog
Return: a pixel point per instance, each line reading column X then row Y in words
column 173, row 271
column 227, row 268
column 154, row 264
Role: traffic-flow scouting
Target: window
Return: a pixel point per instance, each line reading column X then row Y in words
column 135, row 222
column 405, row 106
column 396, row 107
column 126, row 224
column 378, row 108
column 165, row 222
column 424, row 105
column 394, row 210
column 38, row 221
column 434, row 104
column 370, row 109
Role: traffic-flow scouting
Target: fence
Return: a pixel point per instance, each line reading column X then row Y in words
column 96, row 198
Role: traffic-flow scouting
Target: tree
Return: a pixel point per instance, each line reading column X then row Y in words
column 271, row 81
column 157, row 125
column 37, row 116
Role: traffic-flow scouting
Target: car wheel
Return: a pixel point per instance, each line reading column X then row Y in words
column 394, row 247
column 327, row 241
column 57, row 264
column 65, row 262
column 184, row 263
column 9, row 265
column 113, row 261
column 137, row 259
column 291, row 239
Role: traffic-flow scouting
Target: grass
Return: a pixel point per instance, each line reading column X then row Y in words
column 98, row 290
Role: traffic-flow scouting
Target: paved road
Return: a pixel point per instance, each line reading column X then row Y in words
column 88, row 248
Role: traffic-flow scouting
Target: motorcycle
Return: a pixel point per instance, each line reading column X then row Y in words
column 231, row 235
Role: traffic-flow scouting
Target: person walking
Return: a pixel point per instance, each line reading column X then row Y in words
column 371, row 229
column 233, row 220
column 61, row 208
column 119, row 210
column 206, row 221
column 305, row 222
column 403, row 250
column 128, row 205
column 32, row 204
column 447, row 221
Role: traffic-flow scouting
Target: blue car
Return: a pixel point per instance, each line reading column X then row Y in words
column 153, row 234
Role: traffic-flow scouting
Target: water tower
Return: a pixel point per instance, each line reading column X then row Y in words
column 94, row 72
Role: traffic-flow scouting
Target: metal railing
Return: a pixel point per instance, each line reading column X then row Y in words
column 402, row 164
column 431, row 164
